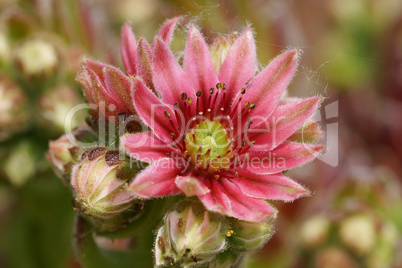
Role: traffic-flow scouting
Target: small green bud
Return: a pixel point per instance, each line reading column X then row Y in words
column 190, row 236
column 220, row 48
column 247, row 236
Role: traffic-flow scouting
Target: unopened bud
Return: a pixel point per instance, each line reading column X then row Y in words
column 247, row 236
column 314, row 231
column 13, row 108
column 220, row 48
column 358, row 233
column 190, row 236
column 63, row 154
column 37, row 58
column 99, row 185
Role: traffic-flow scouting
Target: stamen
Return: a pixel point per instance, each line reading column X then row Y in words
column 211, row 90
column 167, row 114
column 243, row 91
column 190, row 100
column 184, row 96
column 219, row 86
column 198, row 94
column 252, row 106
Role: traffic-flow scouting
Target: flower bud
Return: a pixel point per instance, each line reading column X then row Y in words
column 314, row 231
column 13, row 108
column 54, row 106
column 37, row 58
column 220, row 48
column 250, row 236
column 107, row 88
column 358, row 233
column 99, row 184
column 63, row 154
column 190, row 236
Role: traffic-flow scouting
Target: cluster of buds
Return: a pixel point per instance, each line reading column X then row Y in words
column 192, row 236
column 353, row 233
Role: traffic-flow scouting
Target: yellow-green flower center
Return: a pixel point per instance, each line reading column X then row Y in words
column 208, row 145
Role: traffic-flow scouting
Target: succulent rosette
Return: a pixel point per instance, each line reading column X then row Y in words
column 218, row 133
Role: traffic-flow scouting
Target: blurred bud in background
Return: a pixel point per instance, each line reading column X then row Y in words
column 54, row 105
column 13, row 108
column 37, row 58
column 23, row 155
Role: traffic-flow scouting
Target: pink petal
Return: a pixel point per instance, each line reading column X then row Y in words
column 267, row 87
column 226, row 198
column 169, row 78
column 282, row 123
column 198, row 65
column 144, row 63
column 268, row 186
column 120, row 86
column 157, row 180
column 128, row 49
column 166, row 31
column 239, row 65
column 147, row 147
column 153, row 112
column 286, row 156
column 191, row 186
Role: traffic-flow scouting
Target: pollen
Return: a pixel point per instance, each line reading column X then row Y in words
column 209, row 147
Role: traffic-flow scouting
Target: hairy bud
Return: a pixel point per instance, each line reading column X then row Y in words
column 99, row 184
column 190, row 236
column 247, row 236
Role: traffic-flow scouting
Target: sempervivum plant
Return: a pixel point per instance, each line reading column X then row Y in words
column 217, row 134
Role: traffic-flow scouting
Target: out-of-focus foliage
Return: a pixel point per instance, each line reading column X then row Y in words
column 352, row 54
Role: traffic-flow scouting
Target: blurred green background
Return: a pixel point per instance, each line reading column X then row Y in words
column 352, row 54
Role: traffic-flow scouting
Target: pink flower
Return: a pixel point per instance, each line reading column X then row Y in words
column 220, row 136
column 108, row 88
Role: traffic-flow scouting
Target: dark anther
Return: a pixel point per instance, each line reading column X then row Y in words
column 184, row 96
column 198, row 93
column 112, row 158
column 223, row 86
column 252, row 106
column 167, row 114
column 243, row 91
column 211, row 90
column 219, row 86
column 190, row 100
column 176, row 105
column 94, row 153
column 246, row 104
